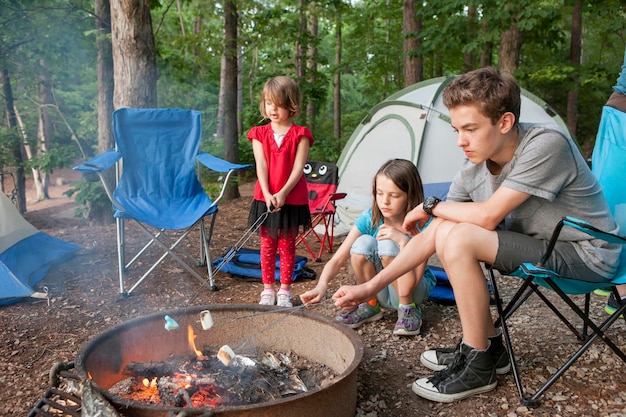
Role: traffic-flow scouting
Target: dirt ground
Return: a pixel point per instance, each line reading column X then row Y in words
column 85, row 301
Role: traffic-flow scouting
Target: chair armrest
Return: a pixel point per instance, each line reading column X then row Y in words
column 99, row 163
column 219, row 165
column 582, row 226
column 585, row 227
column 329, row 203
column 337, row 196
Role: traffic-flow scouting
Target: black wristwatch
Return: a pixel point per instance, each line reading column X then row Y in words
column 429, row 205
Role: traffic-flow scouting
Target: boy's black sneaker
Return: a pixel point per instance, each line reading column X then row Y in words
column 472, row 372
column 438, row 359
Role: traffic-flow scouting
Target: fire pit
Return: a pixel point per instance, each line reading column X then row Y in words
column 302, row 332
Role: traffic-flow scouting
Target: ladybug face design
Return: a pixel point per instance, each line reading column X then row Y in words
column 321, row 178
column 315, row 172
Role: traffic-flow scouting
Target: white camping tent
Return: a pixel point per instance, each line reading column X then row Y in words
column 411, row 124
column 26, row 254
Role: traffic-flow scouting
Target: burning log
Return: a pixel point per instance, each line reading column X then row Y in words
column 150, row 369
column 204, row 382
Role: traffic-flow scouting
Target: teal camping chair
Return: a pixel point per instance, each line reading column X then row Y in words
column 608, row 161
column 156, row 152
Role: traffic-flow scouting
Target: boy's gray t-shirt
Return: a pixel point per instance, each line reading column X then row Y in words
column 548, row 166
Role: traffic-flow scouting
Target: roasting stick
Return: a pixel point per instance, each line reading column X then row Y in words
column 242, row 241
column 241, row 344
column 208, row 321
column 291, row 310
column 228, row 256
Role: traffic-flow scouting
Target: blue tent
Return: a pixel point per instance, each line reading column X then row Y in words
column 26, row 254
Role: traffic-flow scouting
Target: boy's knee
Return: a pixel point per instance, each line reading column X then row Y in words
column 460, row 238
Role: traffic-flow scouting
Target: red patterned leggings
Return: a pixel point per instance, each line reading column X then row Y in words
column 286, row 248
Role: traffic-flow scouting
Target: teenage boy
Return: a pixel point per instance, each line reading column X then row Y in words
column 517, row 182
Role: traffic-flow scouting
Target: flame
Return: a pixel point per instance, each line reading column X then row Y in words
column 191, row 338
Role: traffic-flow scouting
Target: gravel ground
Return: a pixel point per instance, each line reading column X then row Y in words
column 85, row 302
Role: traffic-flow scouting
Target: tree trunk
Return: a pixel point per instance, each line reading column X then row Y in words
column 105, row 75
column 311, row 107
column 509, row 51
column 220, row 98
column 472, row 30
column 575, row 59
column 180, row 19
column 437, row 64
column 101, row 212
column 413, row 62
column 231, row 145
column 29, row 154
column 337, row 77
column 134, row 54
column 239, row 88
column 486, row 54
column 300, row 44
column 44, row 131
column 18, row 169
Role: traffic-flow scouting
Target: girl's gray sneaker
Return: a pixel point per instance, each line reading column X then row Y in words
column 364, row 313
column 409, row 321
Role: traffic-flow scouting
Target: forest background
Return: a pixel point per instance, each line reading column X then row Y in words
column 67, row 64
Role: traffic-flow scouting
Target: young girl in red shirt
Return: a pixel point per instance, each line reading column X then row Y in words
column 281, row 148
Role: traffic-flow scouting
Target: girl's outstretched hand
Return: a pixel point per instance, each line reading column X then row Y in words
column 314, row 296
column 348, row 297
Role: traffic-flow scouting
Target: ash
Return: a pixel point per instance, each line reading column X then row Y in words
column 205, row 382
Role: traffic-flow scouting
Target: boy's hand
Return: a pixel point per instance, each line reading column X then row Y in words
column 413, row 219
column 348, row 297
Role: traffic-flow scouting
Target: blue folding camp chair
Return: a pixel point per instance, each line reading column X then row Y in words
column 158, row 188
column 608, row 161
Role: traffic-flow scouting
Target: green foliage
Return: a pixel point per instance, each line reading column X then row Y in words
column 58, row 157
column 9, row 138
column 90, row 196
column 61, row 35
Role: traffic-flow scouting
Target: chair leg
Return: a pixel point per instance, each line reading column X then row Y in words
column 302, row 238
column 501, row 322
column 597, row 332
column 204, row 251
column 119, row 224
column 331, row 237
column 169, row 250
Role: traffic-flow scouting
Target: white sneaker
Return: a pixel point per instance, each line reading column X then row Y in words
column 268, row 298
column 284, row 298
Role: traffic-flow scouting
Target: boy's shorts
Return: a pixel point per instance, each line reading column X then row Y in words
column 516, row 248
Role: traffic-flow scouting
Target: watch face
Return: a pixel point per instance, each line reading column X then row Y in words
column 429, row 203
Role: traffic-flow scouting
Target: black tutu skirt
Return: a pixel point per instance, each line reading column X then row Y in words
column 289, row 221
